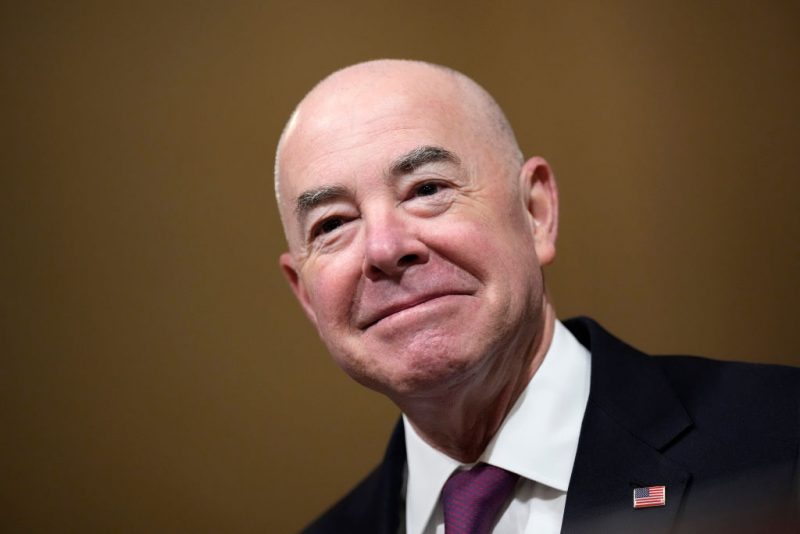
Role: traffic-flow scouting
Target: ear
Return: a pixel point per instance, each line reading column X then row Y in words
column 298, row 288
column 540, row 194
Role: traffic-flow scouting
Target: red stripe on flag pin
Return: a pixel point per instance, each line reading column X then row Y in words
column 650, row 496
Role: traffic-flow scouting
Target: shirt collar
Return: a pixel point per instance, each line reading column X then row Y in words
column 538, row 439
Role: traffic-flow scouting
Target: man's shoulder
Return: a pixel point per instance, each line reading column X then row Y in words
column 711, row 391
column 732, row 395
column 696, row 375
column 688, row 373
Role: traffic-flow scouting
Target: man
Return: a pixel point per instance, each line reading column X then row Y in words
column 417, row 235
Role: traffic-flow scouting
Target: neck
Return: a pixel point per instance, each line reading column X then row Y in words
column 463, row 420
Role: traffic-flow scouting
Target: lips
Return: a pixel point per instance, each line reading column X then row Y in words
column 375, row 316
column 376, row 300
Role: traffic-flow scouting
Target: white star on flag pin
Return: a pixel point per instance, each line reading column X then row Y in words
column 650, row 496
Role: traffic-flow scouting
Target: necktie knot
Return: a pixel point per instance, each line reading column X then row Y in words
column 471, row 500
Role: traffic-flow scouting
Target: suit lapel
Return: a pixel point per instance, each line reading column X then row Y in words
column 388, row 502
column 632, row 416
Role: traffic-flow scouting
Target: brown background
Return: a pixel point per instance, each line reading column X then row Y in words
column 157, row 375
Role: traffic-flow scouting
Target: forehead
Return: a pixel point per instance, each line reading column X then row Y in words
column 341, row 138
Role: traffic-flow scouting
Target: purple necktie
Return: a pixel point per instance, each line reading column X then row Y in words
column 472, row 499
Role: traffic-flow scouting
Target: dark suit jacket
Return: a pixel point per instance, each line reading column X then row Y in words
column 722, row 437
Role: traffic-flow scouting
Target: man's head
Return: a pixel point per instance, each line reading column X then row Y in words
column 416, row 231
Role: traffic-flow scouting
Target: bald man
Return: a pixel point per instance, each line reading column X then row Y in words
column 417, row 235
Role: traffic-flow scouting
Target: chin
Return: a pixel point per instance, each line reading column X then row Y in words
column 418, row 370
column 418, row 358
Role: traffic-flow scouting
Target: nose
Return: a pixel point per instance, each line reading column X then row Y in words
column 391, row 248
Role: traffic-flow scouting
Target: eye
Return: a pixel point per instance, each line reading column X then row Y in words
column 327, row 226
column 427, row 189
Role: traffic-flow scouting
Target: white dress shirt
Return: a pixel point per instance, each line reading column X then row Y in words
column 538, row 441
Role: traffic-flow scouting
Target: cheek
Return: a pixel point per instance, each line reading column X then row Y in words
column 331, row 288
column 487, row 247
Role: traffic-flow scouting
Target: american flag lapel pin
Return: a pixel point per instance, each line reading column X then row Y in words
column 650, row 496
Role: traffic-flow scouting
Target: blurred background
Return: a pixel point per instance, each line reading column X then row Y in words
column 157, row 375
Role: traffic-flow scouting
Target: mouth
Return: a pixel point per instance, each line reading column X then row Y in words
column 387, row 311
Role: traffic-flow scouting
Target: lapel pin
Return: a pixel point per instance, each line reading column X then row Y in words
column 650, row 496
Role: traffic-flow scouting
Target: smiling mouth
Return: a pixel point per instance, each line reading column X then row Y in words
column 402, row 306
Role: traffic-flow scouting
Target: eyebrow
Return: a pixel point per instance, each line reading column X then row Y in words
column 422, row 155
column 312, row 198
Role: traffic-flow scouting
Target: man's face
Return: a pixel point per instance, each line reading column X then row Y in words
column 412, row 248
